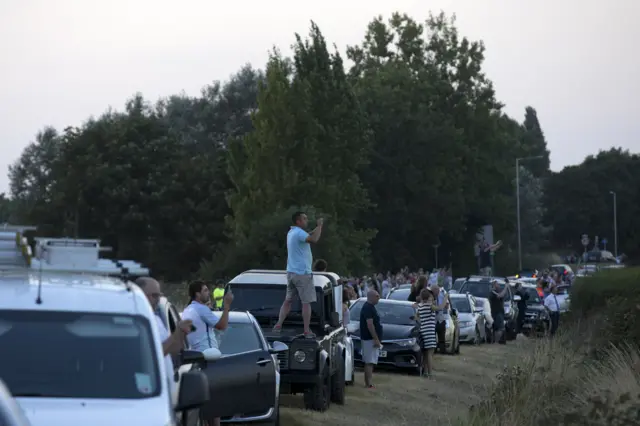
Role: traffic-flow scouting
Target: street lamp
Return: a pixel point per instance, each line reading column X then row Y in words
column 518, row 160
column 615, row 223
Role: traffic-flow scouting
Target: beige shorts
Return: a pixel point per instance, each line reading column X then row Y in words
column 301, row 286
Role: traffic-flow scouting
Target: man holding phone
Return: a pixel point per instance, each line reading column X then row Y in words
column 299, row 274
column 205, row 321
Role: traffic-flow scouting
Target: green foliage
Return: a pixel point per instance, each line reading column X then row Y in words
column 309, row 141
column 613, row 294
column 578, row 200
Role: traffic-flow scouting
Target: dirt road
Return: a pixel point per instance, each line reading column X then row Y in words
column 401, row 399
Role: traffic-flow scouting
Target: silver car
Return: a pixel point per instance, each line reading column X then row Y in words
column 470, row 319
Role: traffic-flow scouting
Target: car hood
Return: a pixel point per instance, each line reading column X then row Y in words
column 81, row 412
column 389, row 331
column 535, row 307
column 465, row 316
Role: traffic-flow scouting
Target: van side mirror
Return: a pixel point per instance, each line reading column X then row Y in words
column 193, row 392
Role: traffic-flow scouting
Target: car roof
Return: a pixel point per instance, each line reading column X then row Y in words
column 479, row 278
column 274, row 277
column 458, row 295
column 403, row 287
column 71, row 292
column 389, row 301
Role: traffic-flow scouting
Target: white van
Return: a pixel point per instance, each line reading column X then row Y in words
column 80, row 347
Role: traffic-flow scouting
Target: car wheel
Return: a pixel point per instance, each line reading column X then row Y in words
column 338, row 384
column 318, row 398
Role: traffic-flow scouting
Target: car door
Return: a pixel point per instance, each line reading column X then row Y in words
column 243, row 384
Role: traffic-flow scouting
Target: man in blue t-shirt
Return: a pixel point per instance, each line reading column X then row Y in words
column 299, row 276
column 370, row 335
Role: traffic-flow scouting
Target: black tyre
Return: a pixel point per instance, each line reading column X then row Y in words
column 338, row 385
column 318, row 398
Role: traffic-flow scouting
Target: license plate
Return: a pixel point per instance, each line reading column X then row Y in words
column 383, row 354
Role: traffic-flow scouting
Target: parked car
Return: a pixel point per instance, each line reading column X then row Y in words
column 400, row 293
column 93, row 354
column 244, row 383
column 400, row 345
column 479, row 286
column 564, row 271
column 10, row 412
column 470, row 319
column 318, row 367
column 563, row 298
column 536, row 320
column 457, row 284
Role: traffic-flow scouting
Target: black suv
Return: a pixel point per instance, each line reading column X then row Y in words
column 480, row 287
column 313, row 367
column 536, row 320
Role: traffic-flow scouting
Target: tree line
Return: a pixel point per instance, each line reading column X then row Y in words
column 405, row 149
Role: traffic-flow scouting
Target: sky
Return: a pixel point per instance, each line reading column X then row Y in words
column 62, row 61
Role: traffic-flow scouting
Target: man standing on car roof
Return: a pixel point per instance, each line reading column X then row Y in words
column 299, row 274
column 496, row 300
column 370, row 335
column 172, row 344
column 486, row 251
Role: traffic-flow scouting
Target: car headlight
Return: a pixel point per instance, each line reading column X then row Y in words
column 299, row 356
column 406, row 342
column 466, row 324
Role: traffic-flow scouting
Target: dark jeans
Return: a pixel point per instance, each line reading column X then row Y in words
column 521, row 317
column 555, row 319
column 441, row 331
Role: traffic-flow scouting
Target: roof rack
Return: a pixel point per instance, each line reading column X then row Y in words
column 81, row 256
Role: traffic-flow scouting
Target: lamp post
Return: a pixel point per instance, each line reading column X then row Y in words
column 615, row 223
column 518, row 160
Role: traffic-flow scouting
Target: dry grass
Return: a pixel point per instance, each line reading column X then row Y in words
column 402, row 399
column 558, row 383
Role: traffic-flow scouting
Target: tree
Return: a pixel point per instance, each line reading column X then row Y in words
column 534, row 232
column 579, row 201
column 441, row 150
column 535, row 144
column 310, row 139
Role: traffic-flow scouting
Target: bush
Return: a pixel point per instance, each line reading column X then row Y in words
column 589, row 374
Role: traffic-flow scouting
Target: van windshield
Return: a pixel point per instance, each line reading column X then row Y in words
column 264, row 301
column 77, row 355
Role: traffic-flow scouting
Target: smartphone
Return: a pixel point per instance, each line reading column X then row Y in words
column 227, row 288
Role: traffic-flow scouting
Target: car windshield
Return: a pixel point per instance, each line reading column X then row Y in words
column 481, row 289
column 77, row 355
column 461, row 304
column 457, row 284
column 265, row 301
column 534, row 297
column 239, row 338
column 400, row 294
column 390, row 313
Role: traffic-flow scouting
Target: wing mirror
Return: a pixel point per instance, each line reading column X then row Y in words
column 193, row 392
column 212, row 354
column 277, row 347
